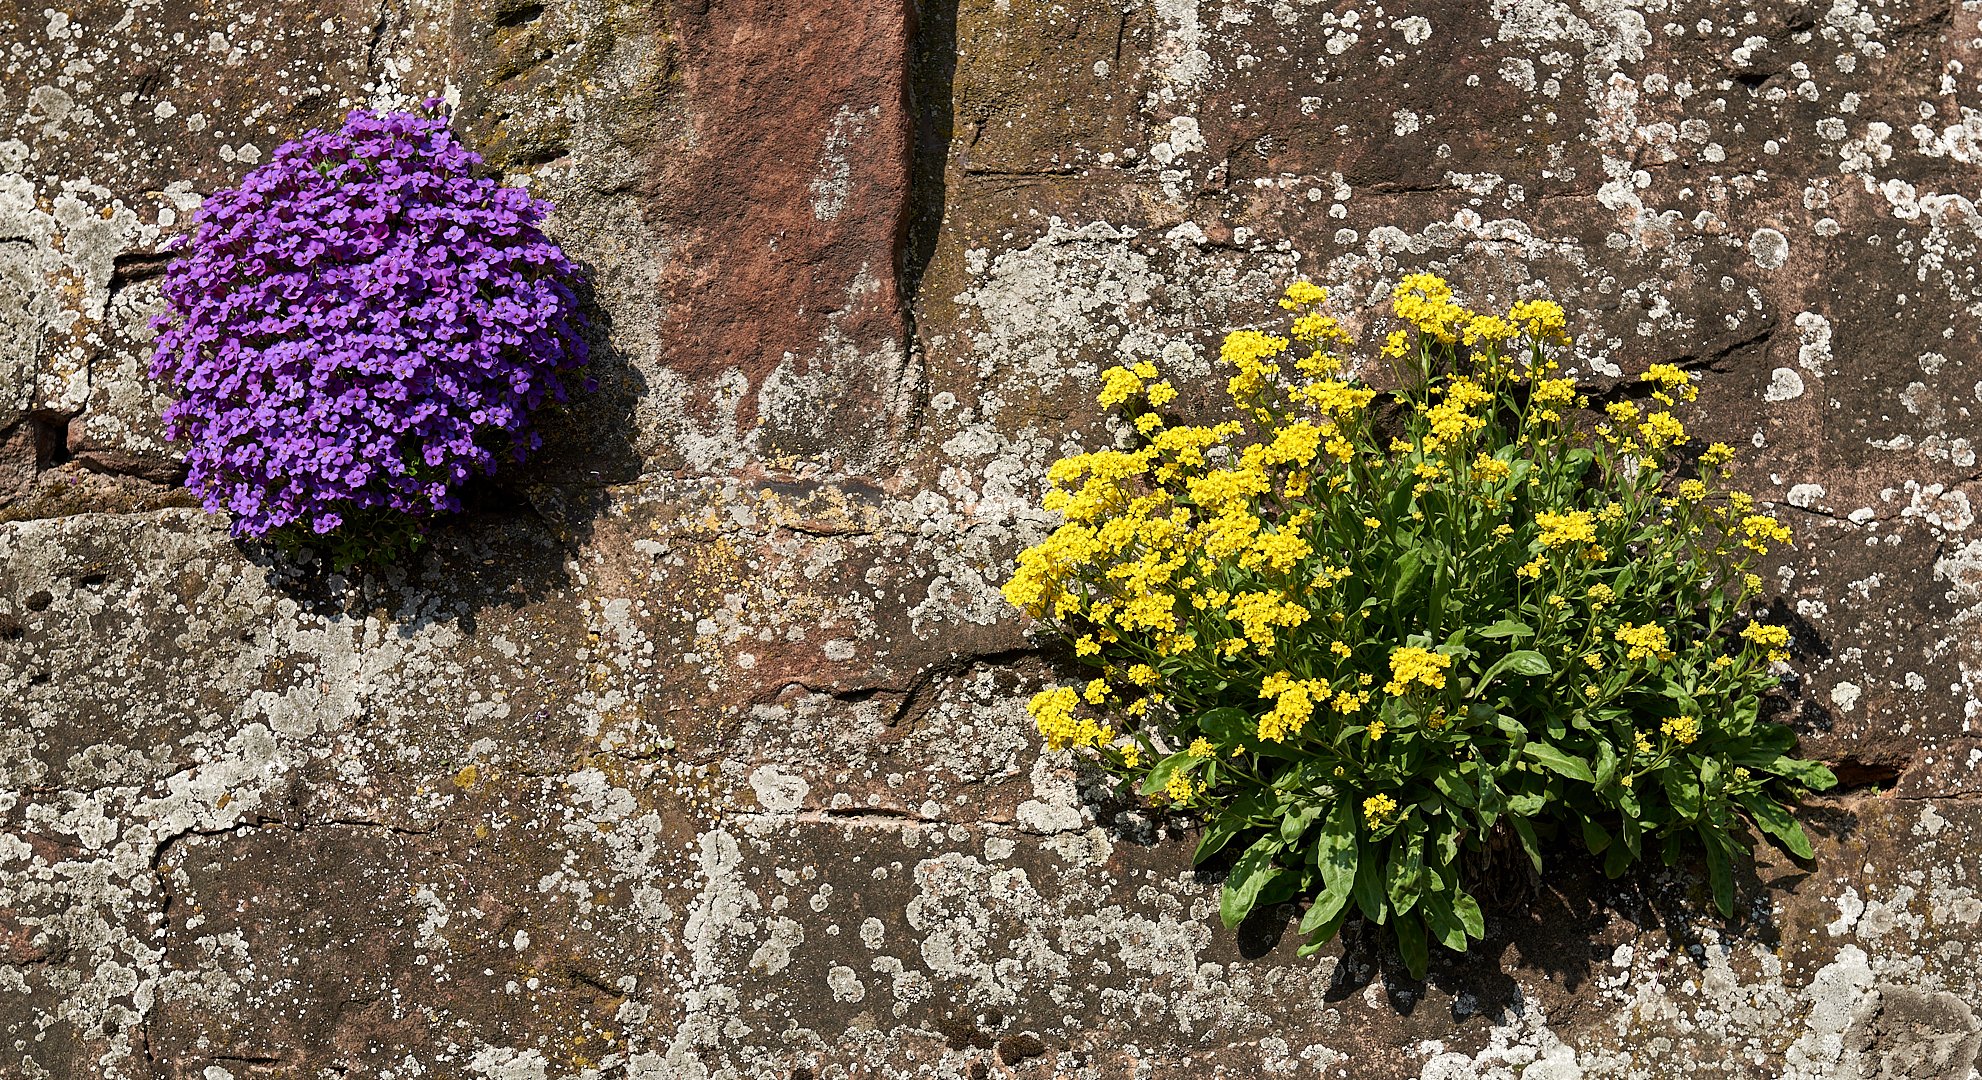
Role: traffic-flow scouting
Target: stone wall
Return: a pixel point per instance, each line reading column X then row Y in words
column 696, row 748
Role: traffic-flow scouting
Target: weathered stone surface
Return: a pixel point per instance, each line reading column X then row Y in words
column 696, row 748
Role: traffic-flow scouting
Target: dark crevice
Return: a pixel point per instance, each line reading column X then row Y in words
column 135, row 266
column 1854, row 774
column 51, row 438
column 511, row 17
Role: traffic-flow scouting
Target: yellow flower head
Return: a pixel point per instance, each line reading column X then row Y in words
column 1767, row 636
column 1303, row 292
column 1379, row 810
column 1118, row 384
column 1561, row 530
column 1053, row 712
column 1201, row 748
column 1411, row 664
column 1760, row 530
column 1645, row 642
column 1681, row 729
column 1542, row 320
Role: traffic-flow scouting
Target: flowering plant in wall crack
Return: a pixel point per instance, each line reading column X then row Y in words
column 360, row 326
column 1364, row 634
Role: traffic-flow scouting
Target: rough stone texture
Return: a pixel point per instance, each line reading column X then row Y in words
column 695, row 748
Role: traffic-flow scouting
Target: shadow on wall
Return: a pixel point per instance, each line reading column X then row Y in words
column 932, row 107
column 510, row 543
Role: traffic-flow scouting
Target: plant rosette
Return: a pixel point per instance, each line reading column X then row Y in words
column 357, row 328
column 1364, row 634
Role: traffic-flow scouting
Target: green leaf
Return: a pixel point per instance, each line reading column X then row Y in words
column 1556, row 761
column 1335, row 857
column 1772, row 818
column 1606, row 769
column 1297, row 822
column 1616, row 860
column 1528, row 662
column 1254, row 870
column 1231, row 821
column 1594, row 837
column 1528, row 842
column 1682, row 786
column 1368, row 890
column 1405, row 881
column 1322, row 931
column 1720, row 872
column 1451, row 784
column 1444, row 925
column 1160, row 773
column 1407, row 567
column 1507, row 628
column 1808, row 773
column 1468, row 910
column 1411, row 945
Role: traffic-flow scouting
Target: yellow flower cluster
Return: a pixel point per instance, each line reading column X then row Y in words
column 1681, row 729
column 1425, row 301
column 1542, row 320
column 1412, row 664
column 1293, row 705
column 1773, row 639
column 1561, row 530
column 1053, row 712
column 1758, row 531
column 1646, row 642
column 1281, row 546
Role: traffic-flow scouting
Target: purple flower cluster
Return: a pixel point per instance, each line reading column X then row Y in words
column 362, row 325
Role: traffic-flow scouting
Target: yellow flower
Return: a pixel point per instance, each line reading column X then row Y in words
column 1600, row 594
column 1303, row 292
column 1759, row 530
column 1718, row 454
column 1179, row 786
column 1488, row 330
column 1682, row 729
column 1542, row 320
column 1161, row 394
column 1376, row 730
column 1425, row 301
column 1118, row 384
column 1201, row 748
column 1559, row 530
column 1340, row 648
column 1692, row 490
column 1132, row 756
column 1379, row 810
column 1294, row 702
column 1662, row 429
column 1096, row 692
column 1372, row 523
column 1765, row 635
column 1052, row 711
column 1491, row 469
column 1394, row 344
column 1645, row 642
column 1410, row 664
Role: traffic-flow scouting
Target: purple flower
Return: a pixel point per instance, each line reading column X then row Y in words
column 361, row 325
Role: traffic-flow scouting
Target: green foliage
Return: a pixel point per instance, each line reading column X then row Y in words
column 1364, row 634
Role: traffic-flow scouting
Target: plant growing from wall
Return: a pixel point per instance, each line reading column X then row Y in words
column 1363, row 634
column 357, row 328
